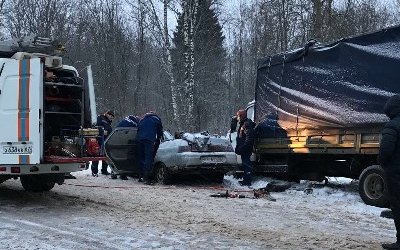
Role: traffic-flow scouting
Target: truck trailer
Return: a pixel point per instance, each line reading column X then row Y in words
column 46, row 112
column 319, row 110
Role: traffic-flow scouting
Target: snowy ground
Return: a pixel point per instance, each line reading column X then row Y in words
column 100, row 213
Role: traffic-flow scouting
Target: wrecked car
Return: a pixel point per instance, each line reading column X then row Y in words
column 183, row 154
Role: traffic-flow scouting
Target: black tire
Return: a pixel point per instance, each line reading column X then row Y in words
column 372, row 187
column 161, row 174
column 37, row 183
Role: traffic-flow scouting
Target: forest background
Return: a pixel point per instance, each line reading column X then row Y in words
column 194, row 62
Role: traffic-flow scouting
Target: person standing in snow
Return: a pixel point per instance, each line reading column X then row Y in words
column 130, row 121
column 244, row 145
column 150, row 131
column 389, row 159
column 104, row 121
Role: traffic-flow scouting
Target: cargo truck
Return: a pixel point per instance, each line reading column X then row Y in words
column 319, row 110
column 46, row 112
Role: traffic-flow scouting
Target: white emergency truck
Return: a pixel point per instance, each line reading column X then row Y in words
column 46, row 111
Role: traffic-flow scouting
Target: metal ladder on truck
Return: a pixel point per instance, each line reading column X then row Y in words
column 30, row 44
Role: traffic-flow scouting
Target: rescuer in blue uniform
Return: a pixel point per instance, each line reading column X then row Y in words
column 129, row 121
column 150, row 131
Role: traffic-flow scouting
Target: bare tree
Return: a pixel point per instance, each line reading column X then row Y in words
column 127, row 48
column 317, row 18
column 161, row 32
column 2, row 19
column 175, row 97
column 189, row 22
column 42, row 17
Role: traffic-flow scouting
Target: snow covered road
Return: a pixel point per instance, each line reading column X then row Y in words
column 116, row 214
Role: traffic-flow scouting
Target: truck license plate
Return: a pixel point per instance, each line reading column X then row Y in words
column 18, row 149
column 212, row 159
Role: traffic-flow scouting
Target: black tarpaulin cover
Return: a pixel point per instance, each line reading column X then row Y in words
column 341, row 85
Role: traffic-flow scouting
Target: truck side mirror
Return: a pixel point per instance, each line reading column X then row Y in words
column 233, row 124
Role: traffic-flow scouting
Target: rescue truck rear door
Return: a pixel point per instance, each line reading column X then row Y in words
column 21, row 99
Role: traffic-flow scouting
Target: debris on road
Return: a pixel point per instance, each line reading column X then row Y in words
column 257, row 193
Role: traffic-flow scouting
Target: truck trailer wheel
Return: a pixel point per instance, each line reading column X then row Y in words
column 37, row 183
column 371, row 187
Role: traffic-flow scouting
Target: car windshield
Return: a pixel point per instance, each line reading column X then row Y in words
column 167, row 136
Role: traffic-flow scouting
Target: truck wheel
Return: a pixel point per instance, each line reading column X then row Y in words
column 36, row 183
column 371, row 187
column 161, row 174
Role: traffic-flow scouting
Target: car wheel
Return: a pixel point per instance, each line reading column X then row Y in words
column 161, row 174
column 372, row 187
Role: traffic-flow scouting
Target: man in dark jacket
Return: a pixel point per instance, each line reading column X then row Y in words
column 244, row 145
column 150, row 131
column 389, row 159
column 104, row 122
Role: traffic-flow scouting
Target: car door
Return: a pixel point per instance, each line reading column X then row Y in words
column 121, row 149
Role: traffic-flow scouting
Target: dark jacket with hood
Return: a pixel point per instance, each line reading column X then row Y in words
column 104, row 122
column 245, row 137
column 150, row 128
column 129, row 121
column 389, row 151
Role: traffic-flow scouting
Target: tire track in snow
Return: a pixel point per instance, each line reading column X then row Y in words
column 67, row 236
